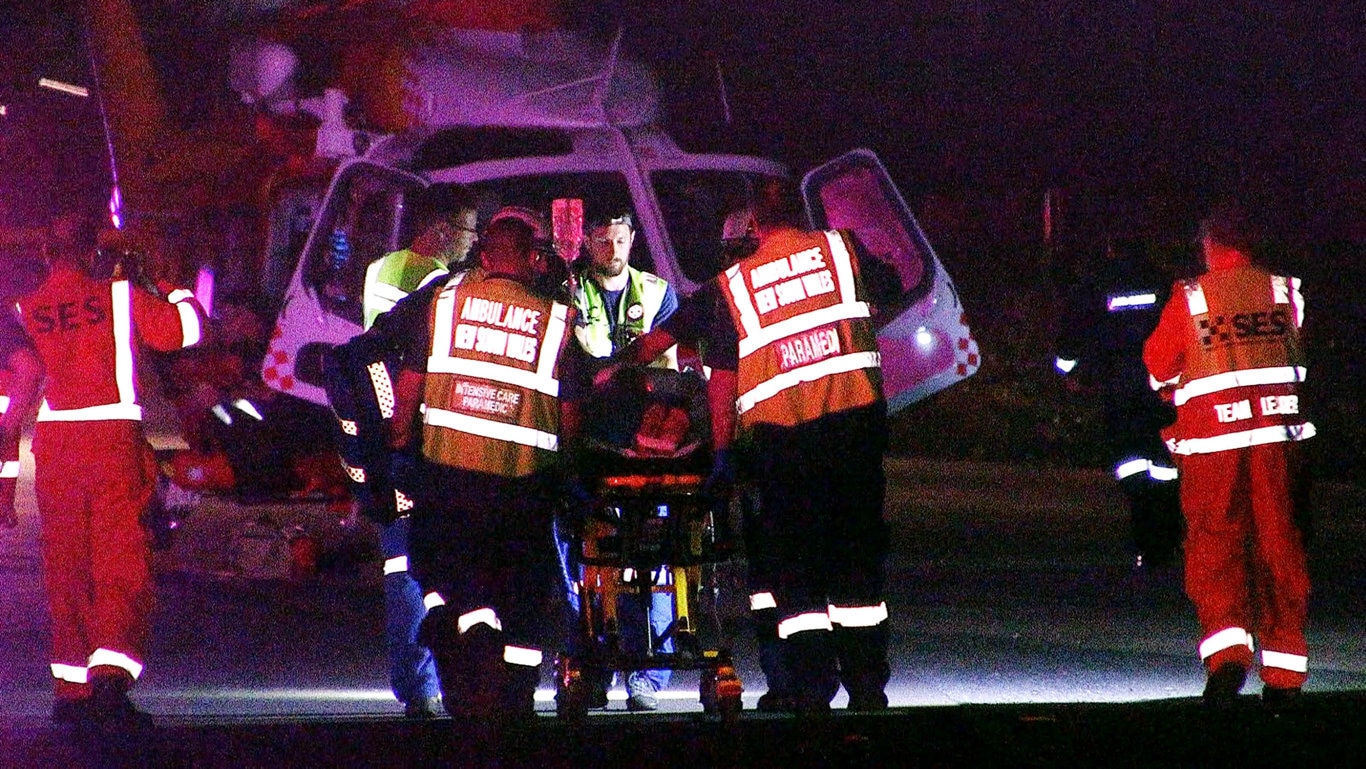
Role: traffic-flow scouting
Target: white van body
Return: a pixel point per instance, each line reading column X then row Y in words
column 524, row 119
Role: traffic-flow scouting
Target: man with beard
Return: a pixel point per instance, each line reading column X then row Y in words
column 616, row 304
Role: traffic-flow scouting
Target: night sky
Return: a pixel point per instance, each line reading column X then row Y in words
column 1141, row 112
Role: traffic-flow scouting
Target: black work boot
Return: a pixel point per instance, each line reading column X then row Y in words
column 110, row 706
column 864, row 670
column 773, row 661
column 519, row 692
column 811, row 658
column 1222, row 685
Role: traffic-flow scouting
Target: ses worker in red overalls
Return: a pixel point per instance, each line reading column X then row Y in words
column 1228, row 349
column 94, row 470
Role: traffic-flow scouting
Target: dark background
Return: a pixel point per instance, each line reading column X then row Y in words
column 1138, row 114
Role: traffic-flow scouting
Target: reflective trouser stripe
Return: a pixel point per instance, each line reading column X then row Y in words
column 484, row 616
column 803, row 622
column 857, row 616
column 520, row 655
column 1162, row 472
column 70, row 673
column 1132, row 467
column 396, row 565
column 1224, row 639
column 1155, row 471
column 1297, row 663
column 432, row 600
column 761, row 601
column 9, row 469
column 115, row 659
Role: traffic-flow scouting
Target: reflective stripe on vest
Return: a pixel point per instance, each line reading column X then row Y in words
column 1286, row 290
column 9, row 469
column 809, row 373
column 1231, row 379
column 489, row 428
column 755, row 336
column 4, row 403
column 542, row 379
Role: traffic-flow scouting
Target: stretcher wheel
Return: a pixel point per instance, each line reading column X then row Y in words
column 720, row 690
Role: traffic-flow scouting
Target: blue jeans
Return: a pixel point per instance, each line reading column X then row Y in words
column 661, row 610
column 412, row 674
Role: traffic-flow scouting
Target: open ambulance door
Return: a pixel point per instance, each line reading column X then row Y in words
column 922, row 332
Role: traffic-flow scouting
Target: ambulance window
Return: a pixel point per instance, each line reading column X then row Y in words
column 359, row 224
column 695, row 205
column 603, row 194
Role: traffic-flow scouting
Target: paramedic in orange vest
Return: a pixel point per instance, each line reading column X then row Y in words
column 21, row 376
column 95, row 472
column 495, row 375
column 796, row 371
column 1228, row 350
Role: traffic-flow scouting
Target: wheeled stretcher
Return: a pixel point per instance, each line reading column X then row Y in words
column 648, row 529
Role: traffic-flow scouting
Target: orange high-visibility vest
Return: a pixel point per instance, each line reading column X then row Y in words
column 806, row 341
column 1243, row 362
column 491, row 398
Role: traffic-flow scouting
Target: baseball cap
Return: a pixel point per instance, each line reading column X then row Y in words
column 540, row 227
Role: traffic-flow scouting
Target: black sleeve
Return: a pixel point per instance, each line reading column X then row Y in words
column 576, row 373
column 406, row 324
column 703, row 319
